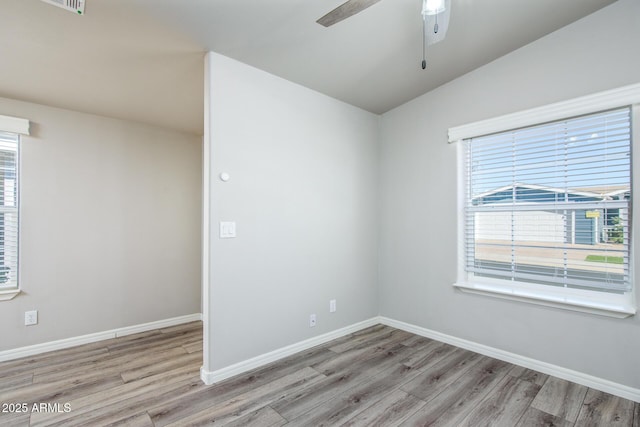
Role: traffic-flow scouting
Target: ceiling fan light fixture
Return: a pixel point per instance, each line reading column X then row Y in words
column 432, row 7
column 435, row 22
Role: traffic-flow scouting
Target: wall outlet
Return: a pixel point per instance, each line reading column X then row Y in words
column 332, row 306
column 312, row 320
column 31, row 317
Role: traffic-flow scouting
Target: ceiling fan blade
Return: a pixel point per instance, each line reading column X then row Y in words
column 344, row 11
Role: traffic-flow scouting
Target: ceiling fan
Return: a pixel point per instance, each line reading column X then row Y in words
column 435, row 19
column 345, row 10
column 75, row 6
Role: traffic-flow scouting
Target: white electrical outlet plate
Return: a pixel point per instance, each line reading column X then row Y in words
column 312, row 320
column 332, row 306
column 31, row 317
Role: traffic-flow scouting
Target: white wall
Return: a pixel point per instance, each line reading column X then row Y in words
column 303, row 192
column 418, row 198
column 110, row 225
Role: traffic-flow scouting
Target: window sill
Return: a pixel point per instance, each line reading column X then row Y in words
column 610, row 305
column 7, row 294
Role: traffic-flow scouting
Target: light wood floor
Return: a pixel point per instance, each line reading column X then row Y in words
column 376, row 377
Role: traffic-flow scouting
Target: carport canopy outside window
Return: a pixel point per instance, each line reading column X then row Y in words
column 550, row 204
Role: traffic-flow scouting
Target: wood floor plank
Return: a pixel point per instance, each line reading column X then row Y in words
column 350, row 403
column 138, row 420
column 60, row 391
column 54, row 358
column 603, row 409
column 359, row 354
column 530, row 375
column 560, row 398
column 416, row 340
column 159, row 367
column 152, row 337
column 152, row 343
column 263, row 417
column 339, row 361
column 373, row 340
column 504, row 407
column 111, row 395
column 432, row 353
column 23, row 379
column 114, row 412
column 194, row 347
column 104, row 365
column 109, row 364
column 14, row 420
column 433, row 381
column 369, row 332
column 389, row 411
column 359, row 340
column 636, row 416
column 535, row 417
column 296, row 405
column 251, row 401
column 456, row 401
column 186, row 404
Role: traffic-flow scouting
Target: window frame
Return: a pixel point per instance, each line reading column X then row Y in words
column 588, row 301
column 20, row 127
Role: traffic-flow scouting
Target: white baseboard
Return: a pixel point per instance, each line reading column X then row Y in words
column 537, row 365
column 158, row 324
column 98, row 336
column 211, row 377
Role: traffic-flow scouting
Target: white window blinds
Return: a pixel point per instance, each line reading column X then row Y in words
column 9, row 210
column 551, row 204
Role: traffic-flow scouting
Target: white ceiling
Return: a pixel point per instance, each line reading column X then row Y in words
column 143, row 59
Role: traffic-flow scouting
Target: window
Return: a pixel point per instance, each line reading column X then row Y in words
column 10, row 130
column 550, row 204
column 546, row 206
column 9, row 216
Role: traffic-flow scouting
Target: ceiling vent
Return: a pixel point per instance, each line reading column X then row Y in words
column 75, row 6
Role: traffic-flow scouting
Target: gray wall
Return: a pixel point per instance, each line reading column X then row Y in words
column 303, row 192
column 418, row 198
column 110, row 225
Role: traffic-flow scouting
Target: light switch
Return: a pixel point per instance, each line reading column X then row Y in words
column 227, row 229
